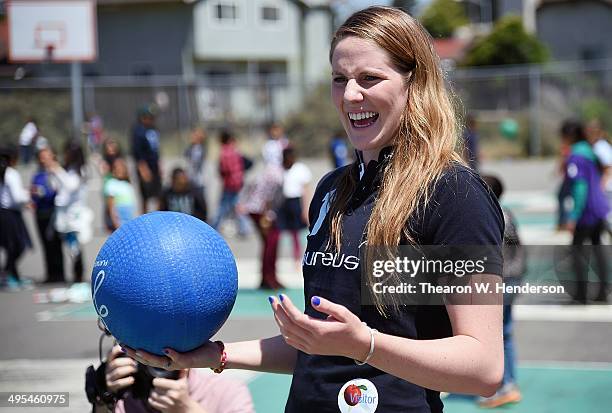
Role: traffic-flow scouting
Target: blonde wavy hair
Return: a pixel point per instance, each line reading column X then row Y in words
column 425, row 143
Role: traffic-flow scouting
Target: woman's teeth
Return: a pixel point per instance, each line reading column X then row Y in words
column 362, row 119
column 361, row 115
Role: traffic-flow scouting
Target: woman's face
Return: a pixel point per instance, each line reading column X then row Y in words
column 45, row 158
column 370, row 94
column 111, row 148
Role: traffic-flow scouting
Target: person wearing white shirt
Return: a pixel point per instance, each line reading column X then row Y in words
column 14, row 236
column 596, row 136
column 73, row 219
column 272, row 151
column 26, row 140
column 293, row 213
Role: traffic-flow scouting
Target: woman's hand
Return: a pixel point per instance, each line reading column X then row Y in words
column 340, row 334
column 207, row 355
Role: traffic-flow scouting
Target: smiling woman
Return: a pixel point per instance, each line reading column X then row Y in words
column 369, row 93
column 408, row 186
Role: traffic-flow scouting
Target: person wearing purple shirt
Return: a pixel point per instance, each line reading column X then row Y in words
column 43, row 191
column 587, row 219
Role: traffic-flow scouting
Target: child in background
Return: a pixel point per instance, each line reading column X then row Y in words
column 338, row 150
column 43, row 192
column 181, row 196
column 73, row 219
column 110, row 151
column 587, row 220
column 514, row 268
column 272, row 151
column 259, row 200
column 598, row 138
column 14, row 236
column 195, row 154
column 231, row 169
column 119, row 196
column 568, row 129
column 293, row 213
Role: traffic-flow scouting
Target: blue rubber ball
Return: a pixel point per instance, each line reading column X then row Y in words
column 164, row 279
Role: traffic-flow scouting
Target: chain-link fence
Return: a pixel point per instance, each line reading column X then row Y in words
column 537, row 98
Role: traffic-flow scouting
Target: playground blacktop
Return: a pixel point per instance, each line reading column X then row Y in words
column 564, row 352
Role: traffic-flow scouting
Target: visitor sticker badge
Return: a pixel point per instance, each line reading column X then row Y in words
column 358, row 396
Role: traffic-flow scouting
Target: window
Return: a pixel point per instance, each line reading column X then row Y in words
column 226, row 11
column 270, row 14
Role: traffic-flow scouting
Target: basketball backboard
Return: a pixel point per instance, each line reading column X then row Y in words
column 52, row 30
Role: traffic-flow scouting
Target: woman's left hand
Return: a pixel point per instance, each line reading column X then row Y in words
column 340, row 334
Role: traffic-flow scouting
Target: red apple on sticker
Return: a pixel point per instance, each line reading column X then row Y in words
column 352, row 394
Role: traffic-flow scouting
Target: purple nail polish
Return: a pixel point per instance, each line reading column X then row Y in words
column 166, row 351
column 316, row 300
column 271, row 299
column 123, row 350
column 281, row 297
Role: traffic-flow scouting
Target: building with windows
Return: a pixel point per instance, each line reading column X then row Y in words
column 572, row 29
column 260, row 53
column 249, row 53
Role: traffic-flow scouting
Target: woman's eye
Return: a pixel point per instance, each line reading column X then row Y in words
column 370, row 78
column 339, row 79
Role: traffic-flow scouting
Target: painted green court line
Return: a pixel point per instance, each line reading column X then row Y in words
column 545, row 390
column 250, row 304
column 255, row 304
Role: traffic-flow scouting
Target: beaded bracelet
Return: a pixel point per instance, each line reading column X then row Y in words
column 371, row 352
column 223, row 357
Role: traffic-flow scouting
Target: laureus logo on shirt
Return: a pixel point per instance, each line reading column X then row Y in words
column 358, row 396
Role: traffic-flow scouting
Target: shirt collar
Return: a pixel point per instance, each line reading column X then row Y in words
column 374, row 165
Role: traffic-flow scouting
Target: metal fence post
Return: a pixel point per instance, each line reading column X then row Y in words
column 76, row 89
column 535, row 146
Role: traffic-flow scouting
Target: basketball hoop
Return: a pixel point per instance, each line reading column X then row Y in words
column 49, row 36
column 44, row 31
column 49, row 53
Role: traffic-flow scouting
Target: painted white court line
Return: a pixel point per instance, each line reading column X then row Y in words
column 588, row 313
column 566, row 365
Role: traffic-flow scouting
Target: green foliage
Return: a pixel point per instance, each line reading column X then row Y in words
column 51, row 109
column 311, row 127
column 443, row 17
column 507, row 44
column 596, row 108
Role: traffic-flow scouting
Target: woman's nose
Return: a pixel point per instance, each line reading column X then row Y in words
column 353, row 92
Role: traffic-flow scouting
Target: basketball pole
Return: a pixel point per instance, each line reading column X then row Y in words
column 76, row 92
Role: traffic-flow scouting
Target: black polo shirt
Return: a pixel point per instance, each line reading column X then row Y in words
column 462, row 211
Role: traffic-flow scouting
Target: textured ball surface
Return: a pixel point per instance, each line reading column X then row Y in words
column 164, row 279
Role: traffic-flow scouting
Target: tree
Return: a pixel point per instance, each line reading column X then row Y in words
column 409, row 6
column 311, row 126
column 442, row 17
column 507, row 44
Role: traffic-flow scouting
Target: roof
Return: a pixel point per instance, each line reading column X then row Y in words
column 451, row 48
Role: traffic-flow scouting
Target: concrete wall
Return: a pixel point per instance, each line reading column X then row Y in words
column 318, row 37
column 136, row 40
